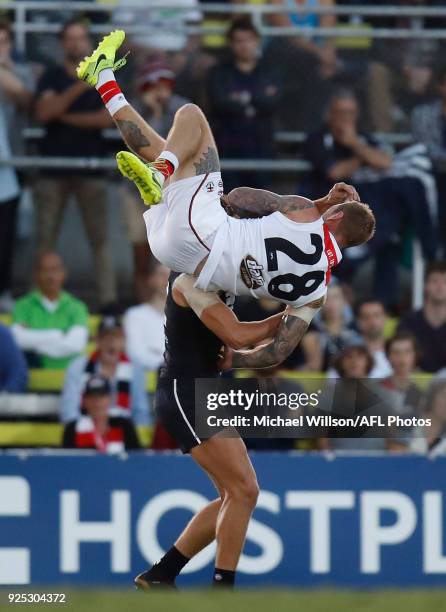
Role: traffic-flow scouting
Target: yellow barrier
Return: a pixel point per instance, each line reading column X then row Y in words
column 49, row 434
column 45, row 380
column 5, row 319
column 94, row 320
column 52, row 381
column 30, row 434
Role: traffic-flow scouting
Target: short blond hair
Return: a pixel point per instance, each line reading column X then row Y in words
column 358, row 224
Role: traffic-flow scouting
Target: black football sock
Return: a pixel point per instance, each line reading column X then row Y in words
column 168, row 568
column 223, row 578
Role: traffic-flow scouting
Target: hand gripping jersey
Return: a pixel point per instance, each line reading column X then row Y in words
column 271, row 257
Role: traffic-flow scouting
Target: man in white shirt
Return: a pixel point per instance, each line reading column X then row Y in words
column 144, row 324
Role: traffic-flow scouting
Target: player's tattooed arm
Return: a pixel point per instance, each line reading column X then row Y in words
column 339, row 193
column 209, row 162
column 133, row 136
column 220, row 319
column 245, row 202
column 289, row 334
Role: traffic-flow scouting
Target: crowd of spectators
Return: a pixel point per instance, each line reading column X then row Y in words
column 339, row 94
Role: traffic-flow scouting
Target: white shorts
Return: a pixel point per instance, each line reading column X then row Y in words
column 181, row 229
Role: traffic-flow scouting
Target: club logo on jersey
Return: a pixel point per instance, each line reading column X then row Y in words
column 251, row 273
column 210, row 186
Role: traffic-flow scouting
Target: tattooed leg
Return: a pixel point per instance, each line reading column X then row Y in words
column 191, row 140
column 138, row 135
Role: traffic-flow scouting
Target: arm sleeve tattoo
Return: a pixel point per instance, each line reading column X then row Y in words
column 289, row 334
column 246, row 202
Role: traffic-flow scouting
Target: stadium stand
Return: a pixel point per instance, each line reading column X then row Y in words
column 346, row 53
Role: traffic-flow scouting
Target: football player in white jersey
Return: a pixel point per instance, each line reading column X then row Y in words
column 286, row 253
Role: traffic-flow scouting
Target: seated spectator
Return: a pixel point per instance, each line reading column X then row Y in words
column 16, row 84
column 339, row 151
column 402, row 353
column 157, row 104
column 333, row 329
column 432, row 440
column 95, row 428
column 428, row 324
column 371, row 320
column 404, row 394
column 243, row 97
column 13, row 374
column 352, row 364
column 49, row 324
column 126, row 378
column 428, row 128
column 144, row 324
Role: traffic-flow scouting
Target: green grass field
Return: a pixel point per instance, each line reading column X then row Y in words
column 244, row 601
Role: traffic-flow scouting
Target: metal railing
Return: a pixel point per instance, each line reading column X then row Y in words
column 259, row 13
column 260, row 165
column 27, row 162
column 282, row 136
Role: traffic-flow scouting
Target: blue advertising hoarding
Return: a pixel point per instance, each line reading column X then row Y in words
column 349, row 521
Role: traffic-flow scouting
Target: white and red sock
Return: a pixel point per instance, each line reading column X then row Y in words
column 167, row 162
column 110, row 92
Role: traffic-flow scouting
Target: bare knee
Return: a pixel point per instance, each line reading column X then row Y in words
column 245, row 490
column 189, row 112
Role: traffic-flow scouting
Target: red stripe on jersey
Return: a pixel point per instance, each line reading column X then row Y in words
column 330, row 252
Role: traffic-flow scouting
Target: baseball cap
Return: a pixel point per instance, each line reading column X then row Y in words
column 154, row 72
column 97, row 385
column 109, row 323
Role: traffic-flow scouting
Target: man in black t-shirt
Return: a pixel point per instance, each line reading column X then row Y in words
column 74, row 118
column 195, row 332
column 244, row 95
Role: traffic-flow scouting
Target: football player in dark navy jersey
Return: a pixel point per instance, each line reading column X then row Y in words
column 193, row 346
column 198, row 325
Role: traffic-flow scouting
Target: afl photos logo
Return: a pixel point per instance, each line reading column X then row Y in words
column 251, row 273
